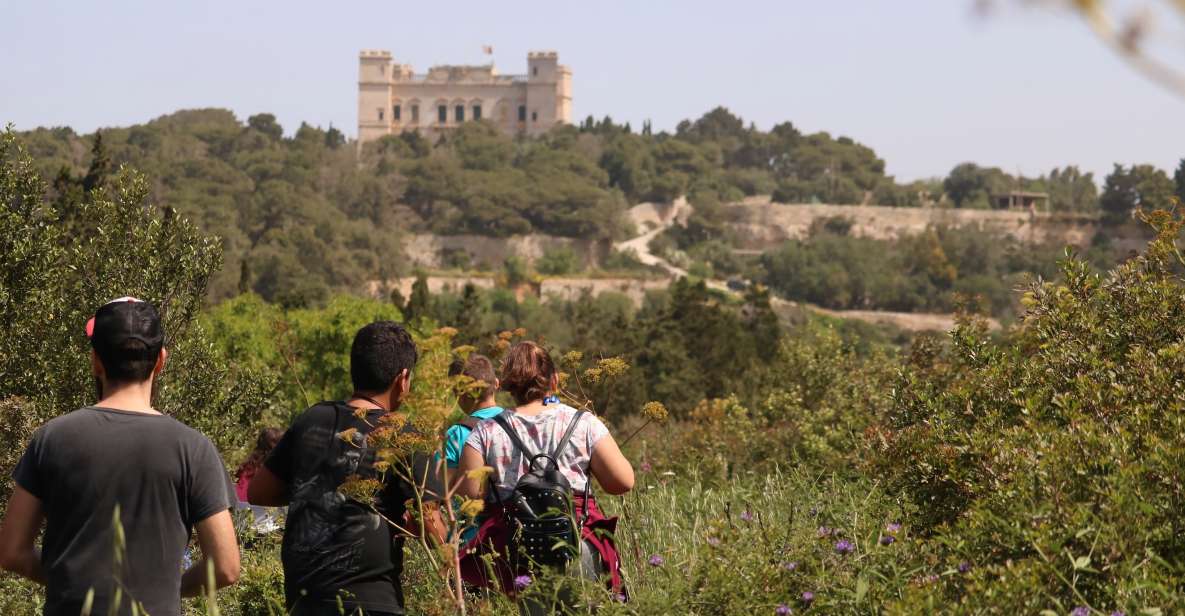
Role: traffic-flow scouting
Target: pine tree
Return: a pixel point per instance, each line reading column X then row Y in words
column 100, row 165
column 421, row 300
column 1179, row 181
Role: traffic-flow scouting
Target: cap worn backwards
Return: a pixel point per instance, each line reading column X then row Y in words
column 122, row 320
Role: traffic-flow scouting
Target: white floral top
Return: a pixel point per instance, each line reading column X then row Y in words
column 540, row 433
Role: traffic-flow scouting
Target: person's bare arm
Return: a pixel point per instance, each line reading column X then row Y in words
column 471, row 460
column 220, row 549
column 609, row 466
column 266, row 489
column 18, row 536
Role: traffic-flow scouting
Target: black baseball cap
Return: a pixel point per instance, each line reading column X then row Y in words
column 122, row 320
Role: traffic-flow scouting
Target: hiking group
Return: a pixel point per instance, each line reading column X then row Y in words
column 121, row 488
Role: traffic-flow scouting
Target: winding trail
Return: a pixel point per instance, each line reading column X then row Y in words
column 660, row 217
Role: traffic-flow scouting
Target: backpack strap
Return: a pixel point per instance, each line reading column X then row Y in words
column 500, row 418
column 567, row 435
column 469, row 422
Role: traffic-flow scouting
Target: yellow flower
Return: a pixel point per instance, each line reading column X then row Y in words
column 464, row 351
column 447, row 332
column 613, row 366
column 655, row 411
column 505, row 335
column 348, row 435
column 479, row 474
column 593, row 375
column 573, row 358
column 520, row 332
column 470, row 507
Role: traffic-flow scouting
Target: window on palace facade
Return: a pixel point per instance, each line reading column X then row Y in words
column 395, row 113
column 459, row 113
column 442, row 114
column 477, row 112
column 522, row 113
column 415, row 114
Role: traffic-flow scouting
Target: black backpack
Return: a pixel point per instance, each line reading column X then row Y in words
column 543, row 526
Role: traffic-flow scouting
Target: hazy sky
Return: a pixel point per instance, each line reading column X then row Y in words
column 926, row 83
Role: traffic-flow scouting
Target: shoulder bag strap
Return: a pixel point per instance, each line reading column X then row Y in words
column 567, row 435
column 501, row 418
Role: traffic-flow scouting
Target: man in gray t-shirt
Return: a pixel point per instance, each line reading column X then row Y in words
column 163, row 478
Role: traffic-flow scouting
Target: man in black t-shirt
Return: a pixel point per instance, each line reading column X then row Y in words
column 120, row 455
column 336, row 548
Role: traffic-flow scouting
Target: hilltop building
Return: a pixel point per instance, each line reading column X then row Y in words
column 393, row 98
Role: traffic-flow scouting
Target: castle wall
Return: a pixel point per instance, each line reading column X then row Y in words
column 544, row 95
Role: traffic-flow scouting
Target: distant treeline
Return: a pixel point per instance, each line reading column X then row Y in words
column 300, row 215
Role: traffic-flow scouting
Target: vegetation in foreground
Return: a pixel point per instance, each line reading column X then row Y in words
column 1036, row 473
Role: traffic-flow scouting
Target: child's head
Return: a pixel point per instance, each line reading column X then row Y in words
column 528, row 372
column 480, row 394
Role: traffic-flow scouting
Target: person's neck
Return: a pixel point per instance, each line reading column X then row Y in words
column 533, row 407
column 484, row 404
column 381, row 401
column 133, row 397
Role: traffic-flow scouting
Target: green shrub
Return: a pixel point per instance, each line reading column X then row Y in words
column 1052, row 460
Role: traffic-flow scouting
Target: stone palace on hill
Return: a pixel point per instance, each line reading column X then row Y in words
column 393, row 98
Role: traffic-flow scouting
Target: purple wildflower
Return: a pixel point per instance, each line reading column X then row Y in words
column 807, row 597
column 645, row 467
column 814, row 512
column 1118, row 613
column 656, row 560
column 930, row 579
column 1081, row 610
column 620, row 597
column 783, row 610
column 825, row 532
column 713, row 541
column 888, row 539
column 746, row 516
column 893, row 528
column 790, row 566
column 522, row 581
column 964, row 567
column 843, row 546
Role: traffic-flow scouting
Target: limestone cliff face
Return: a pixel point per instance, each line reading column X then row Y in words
column 761, row 224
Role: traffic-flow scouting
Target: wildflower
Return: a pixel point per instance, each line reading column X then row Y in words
column 1118, row 613
column 656, row 560
column 964, row 567
column 520, row 332
column 1081, row 610
column 930, row 579
column 645, row 467
column 447, row 332
column 783, row 610
column 807, row 597
column 814, row 511
column 888, row 540
column 893, row 528
column 824, row 532
column 746, row 516
column 790, row 566
column 573, row 358
column 613, row 366
column 593, row 375
column 470, row 507
column 713, row 541
column 620, row 597
column 843, row 546
column 522, row 581
column 655, row 411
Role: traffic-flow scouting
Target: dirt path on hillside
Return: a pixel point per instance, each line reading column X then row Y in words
column 659, row 218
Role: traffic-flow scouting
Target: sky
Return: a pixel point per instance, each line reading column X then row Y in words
column 926, row 83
